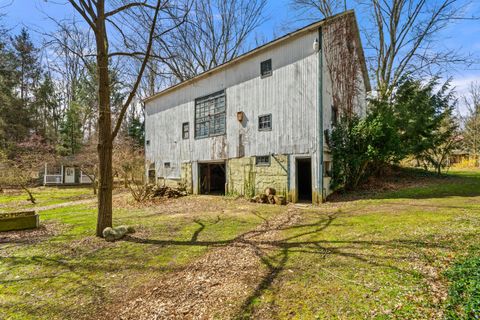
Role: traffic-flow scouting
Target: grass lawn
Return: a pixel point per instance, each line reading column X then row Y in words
column 385, row 256
column 66, row 272
column 45, row 196
column 379, row 258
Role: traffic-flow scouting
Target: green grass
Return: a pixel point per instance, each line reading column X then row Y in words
column 381, row 258
column 18, row 199
column 396, row 255
column 71, row 273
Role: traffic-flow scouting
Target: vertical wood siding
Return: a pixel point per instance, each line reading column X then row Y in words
column 289, row 94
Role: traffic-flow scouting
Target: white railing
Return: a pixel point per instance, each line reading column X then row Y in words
column 53, row 179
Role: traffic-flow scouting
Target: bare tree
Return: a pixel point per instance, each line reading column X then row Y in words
column 471, row 131
column 86, row 160
column 20, row 170
column 406, row 36
column 402, row 35
column 128, row 160
column 216, row 31
column 327, row 8
column 98, row 15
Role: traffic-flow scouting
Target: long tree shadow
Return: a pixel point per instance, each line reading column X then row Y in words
column 274, row 253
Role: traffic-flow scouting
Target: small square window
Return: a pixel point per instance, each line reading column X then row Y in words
column 262, row 160
column 185, row 130
column 148, row 142
column 265, row 122
column 167, row 165
column 266, row 68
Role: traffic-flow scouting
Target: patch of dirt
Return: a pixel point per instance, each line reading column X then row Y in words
column 218, row 285
column 43, row 232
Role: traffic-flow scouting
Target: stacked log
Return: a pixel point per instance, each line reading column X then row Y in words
column 168, row 192
column 269, row 197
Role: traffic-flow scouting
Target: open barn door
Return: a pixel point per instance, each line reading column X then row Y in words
column 212, row 178
column 304, row 179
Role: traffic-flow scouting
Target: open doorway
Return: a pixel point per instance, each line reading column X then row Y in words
column 304, row 179
column 212, row 178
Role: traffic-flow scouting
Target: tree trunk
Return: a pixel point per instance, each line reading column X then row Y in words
column 31, row 198
column 94, row 186
column 105, row 144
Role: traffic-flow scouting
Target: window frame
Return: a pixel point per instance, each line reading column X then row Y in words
column 269, row 72
column 207, row 118
column 167, row 165
column 271, row 122
column 186, row 133
column 262, row 164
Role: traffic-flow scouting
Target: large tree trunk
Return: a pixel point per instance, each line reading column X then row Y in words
column 105, row 144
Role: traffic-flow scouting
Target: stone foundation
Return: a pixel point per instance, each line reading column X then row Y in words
column 246, row 178
column 186, row 176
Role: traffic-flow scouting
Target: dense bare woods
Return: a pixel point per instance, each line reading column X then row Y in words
column 403, row 36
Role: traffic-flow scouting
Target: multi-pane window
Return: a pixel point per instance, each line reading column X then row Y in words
column 262, row 160
column 265, row 122
column 210, row 116
column 266, row 68
column 185, row 130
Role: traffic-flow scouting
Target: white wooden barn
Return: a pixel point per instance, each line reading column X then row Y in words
column 256, row 121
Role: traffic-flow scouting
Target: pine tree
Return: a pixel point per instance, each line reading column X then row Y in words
column 12, row 128
column 47, row 105
column 28, row 72
column 71, row 130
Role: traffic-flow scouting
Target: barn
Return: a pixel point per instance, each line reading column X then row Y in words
column 262, row 119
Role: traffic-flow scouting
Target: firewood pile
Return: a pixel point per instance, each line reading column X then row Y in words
column 144, row 192
column 167, row 192
column 269, row 197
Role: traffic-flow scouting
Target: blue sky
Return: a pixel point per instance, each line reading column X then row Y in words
column 464, row 35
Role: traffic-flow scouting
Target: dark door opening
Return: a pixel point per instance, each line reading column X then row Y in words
column 212, row 178
column 304, row 180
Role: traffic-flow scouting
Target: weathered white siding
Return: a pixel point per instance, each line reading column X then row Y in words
column 289, row 94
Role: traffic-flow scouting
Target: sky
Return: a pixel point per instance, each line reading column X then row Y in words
column 280, row 18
